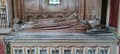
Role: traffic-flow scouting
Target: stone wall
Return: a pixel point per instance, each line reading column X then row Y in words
column 84, row 8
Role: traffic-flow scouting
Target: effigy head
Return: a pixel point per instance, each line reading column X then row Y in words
column 95, row 22
column 16, row 20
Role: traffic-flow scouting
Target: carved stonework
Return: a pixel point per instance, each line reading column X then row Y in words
column 46, row 15
column 51, row 24
column 41, row 9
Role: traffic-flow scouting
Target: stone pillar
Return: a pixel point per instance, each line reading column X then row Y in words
column 79, row 12
column 48, row 50
column 81, row 9
column 98, row 14
column 15, row 8
column 9, row 12
column 19, row 8
column 119, row 21
column 108, row 13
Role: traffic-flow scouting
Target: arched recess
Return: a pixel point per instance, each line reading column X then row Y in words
column 39, row 17
column 30, row 18
column 59, row 16
column 49, row 16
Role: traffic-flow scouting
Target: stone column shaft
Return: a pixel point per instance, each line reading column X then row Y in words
column 119, row 21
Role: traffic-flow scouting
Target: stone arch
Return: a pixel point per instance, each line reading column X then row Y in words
column 59, row 16
column 30, row 18
column 50, row 16
column 39, row 17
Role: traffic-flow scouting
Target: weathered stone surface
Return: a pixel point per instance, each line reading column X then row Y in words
column 63, row 36
column 5, row 30
column 70, row 24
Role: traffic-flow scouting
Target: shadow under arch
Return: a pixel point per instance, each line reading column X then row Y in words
column 30, row 18
column 59, row 16
column 49, row 16
column 39, row 17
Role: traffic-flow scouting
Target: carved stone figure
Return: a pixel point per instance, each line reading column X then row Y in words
column 94, row 22
column 68, row 24
column 17, row 24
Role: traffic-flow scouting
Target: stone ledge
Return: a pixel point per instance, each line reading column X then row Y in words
column 5, row 31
